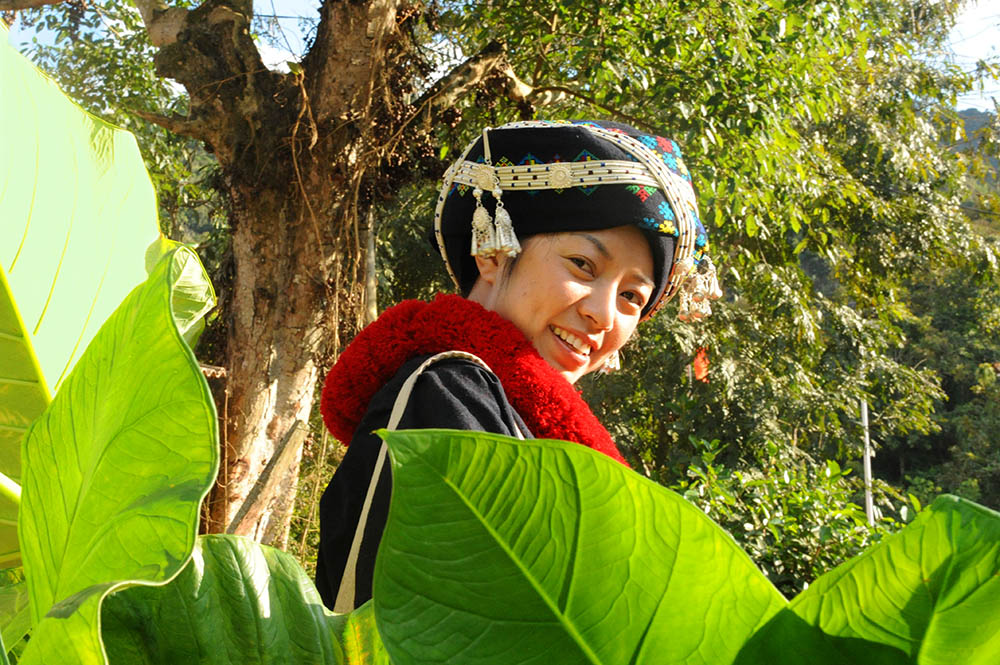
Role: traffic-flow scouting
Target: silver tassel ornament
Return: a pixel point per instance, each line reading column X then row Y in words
column 506, row 239
column 484, row 241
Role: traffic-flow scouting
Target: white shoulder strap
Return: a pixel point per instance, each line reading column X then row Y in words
column 345, row 594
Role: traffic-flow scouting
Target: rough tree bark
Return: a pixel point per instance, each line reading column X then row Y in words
column 298, row 152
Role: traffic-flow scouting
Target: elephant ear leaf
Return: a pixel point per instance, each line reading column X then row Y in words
column 116, row 467
column 15, row 612
column 928, row 594
column 505, row 551
column 77, row 212
column 236, row 602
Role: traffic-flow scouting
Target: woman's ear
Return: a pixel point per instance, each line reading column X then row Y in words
column 484, row 291
column 489, row 269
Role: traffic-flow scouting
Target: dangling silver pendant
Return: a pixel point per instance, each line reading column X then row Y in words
column 484, row 241
column 506, row 238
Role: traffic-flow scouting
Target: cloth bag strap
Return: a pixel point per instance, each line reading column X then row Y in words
column 345, row 594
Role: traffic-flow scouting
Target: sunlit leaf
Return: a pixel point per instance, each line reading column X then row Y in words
column 546, row 552
column 15, row 614
column 929, row 594
column 77, row 212
column 116, row 467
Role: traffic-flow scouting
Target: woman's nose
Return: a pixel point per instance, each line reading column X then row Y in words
column 599, row 307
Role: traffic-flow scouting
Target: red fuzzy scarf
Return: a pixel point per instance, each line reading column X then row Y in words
column 549, row 405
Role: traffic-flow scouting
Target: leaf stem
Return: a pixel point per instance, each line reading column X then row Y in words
column 9, row 489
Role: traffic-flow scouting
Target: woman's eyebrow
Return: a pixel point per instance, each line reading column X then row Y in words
column 646, row 281
column 596, row 242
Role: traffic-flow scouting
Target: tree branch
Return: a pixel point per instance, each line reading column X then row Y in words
column 548, row 94
column 162, row 23
column 455, row 84
column 14, row 5
column 447, row 90
column 175, row 123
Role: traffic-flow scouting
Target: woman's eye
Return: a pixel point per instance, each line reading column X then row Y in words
column 633, row 297
column 581, row 263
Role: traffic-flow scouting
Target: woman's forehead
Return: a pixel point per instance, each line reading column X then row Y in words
column 624, row 245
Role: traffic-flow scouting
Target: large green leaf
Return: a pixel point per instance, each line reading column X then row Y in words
column 545, row 552
column 78, row 210
column 116, row 467
column 236, row 603
column 929, row 594
column 15, row 612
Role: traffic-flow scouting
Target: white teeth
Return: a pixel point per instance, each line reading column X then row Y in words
column 572, row 340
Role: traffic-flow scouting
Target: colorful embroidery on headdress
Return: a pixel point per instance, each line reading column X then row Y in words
column 665, row 227
column 665, row 210
column 642, row 191
column 649, row 142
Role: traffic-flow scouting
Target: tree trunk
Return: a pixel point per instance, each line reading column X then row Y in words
column 283, row 323
column 294, row 154
column 297, row 151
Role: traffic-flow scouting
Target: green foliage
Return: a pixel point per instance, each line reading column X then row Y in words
column 408, row 265
column 253, row 604
column 955, row 330
column 796, row 518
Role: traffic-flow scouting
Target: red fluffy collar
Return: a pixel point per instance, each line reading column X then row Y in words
column 549, row 405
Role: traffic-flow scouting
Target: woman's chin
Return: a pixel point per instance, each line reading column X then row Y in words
column 569, row 364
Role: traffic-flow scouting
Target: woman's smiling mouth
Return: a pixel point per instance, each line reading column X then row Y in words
column 579, row 345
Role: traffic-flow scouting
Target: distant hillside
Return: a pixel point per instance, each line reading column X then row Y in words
column 976, row 122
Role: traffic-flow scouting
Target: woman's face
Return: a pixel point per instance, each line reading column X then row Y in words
column 577, row 296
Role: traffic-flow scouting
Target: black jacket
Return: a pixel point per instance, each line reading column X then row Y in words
column 452, row 393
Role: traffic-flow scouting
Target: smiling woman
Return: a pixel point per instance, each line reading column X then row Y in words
column 594, row 227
